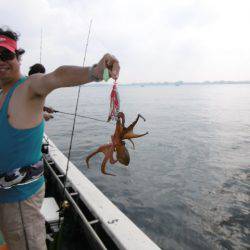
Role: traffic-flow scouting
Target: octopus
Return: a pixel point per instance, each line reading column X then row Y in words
column 117, row 144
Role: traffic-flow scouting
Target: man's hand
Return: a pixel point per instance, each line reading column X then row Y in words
column 48, row 109
column 47, row 116
column 111, row 63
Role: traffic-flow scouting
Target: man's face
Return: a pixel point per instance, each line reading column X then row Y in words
column 9, row 69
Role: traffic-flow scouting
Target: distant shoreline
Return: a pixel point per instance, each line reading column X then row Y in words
column 172, row 83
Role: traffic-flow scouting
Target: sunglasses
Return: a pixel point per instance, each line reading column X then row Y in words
column 6, row 55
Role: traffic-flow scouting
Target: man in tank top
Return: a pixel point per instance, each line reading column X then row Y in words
column 21, row 132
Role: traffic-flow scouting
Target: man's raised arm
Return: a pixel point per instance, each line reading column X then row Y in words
column 66, row 76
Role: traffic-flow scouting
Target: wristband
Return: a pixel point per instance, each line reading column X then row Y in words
column 92, row 77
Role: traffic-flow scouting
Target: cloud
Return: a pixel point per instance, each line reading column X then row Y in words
column 160, row 40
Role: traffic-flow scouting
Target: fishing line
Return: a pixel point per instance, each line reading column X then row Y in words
column 82, row 116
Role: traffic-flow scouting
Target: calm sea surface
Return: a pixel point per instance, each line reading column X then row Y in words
column 188, row 182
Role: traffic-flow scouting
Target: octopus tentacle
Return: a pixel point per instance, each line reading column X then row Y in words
column 90, row 156
column 132, row 143
column 102, row 149
column 131, row 126
column 103, row 167
column 132, row 135
column 129, row 133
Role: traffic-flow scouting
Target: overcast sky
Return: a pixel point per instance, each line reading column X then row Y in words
column 154, row 40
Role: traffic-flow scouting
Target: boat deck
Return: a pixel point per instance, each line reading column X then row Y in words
column 98, row 221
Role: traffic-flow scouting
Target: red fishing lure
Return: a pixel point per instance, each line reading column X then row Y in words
column 114, row 103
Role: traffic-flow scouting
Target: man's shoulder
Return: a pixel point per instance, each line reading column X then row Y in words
column 35, row 77
column 34, row 80
column 31, row 83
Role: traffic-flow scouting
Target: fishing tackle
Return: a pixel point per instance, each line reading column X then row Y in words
column 114, row 103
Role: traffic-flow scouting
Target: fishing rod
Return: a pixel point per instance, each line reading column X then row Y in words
column 75, row 115
column 41, row 43
column 82, row 116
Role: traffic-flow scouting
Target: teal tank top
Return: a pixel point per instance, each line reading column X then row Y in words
column 18, row 148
